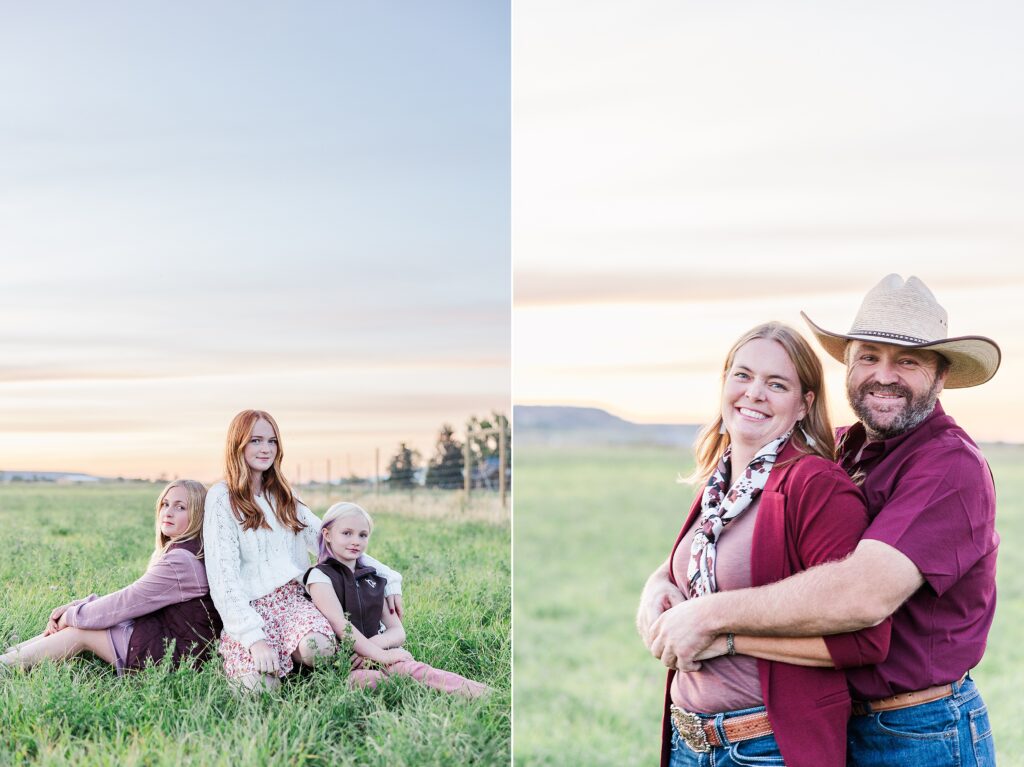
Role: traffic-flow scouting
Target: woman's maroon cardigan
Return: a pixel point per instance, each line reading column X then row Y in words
column 810, row 512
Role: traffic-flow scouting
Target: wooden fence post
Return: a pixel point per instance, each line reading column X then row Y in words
column 467, row 465
column 502, row 461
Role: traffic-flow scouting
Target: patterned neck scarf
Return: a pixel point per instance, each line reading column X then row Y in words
column 719, row 507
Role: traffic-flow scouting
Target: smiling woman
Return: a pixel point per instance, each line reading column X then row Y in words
column 769, row 481
column 761, row 398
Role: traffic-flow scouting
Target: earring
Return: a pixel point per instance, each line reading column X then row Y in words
column 722, row 429
column 811, row 441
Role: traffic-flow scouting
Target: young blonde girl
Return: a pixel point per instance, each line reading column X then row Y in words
column 350, row 594
column 168, row 607
column 257, row 536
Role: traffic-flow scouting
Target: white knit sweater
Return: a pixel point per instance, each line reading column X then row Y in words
column 242, row 566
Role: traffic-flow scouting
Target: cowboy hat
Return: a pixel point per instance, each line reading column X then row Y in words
column 907, row 314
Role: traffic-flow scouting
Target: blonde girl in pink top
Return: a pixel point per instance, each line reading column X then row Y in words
column 131, row 627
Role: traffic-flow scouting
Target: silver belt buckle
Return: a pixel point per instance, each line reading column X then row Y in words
column 691, row 730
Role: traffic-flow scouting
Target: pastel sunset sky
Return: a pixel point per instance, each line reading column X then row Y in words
column 683, row 171
column 211, row 207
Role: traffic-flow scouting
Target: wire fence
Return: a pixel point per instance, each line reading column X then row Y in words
column 478, row 464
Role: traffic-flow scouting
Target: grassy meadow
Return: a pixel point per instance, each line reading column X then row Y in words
column 590, row 526
column 64, row 542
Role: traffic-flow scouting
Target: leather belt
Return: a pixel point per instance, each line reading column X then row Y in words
column 700, row 734
column 905, row 699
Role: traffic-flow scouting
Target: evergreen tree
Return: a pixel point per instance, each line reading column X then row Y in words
column 484, row 448
column 445, row 468
column 402, row 469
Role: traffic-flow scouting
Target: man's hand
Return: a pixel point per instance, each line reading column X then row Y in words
column 681, row 634
column 395, row 605
column 659, row 595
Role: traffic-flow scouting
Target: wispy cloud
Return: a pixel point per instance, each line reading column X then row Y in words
column 684, row 285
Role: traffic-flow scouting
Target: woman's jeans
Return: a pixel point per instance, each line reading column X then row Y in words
column 952, row 731
column 756, row 752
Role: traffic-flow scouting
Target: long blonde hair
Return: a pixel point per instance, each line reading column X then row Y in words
column 195, row 494
column 239, row 476
column 711, row 443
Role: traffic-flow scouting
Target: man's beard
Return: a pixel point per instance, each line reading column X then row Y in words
column 914, row 410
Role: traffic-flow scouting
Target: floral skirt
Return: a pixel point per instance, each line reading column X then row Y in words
column 288, row 616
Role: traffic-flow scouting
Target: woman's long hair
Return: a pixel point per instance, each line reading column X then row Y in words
column 336, row 512
column 239, row 476
column 711, row 443
column 195, row 503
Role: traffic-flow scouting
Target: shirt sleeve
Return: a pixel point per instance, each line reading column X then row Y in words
column 941, row 514
column 221, row 542
column 832, row 517
column 169, row 581
column 315, row 576
column 394, row 586
column 310, row 534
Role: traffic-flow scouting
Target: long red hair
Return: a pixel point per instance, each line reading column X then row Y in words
column 239, row 476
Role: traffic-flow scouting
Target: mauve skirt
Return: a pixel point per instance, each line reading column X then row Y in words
column 120, row 635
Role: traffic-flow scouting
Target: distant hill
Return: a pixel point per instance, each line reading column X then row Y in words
column 563, row 425
column 47, row 476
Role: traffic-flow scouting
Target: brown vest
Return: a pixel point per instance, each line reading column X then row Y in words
column 192, row 626
column 361, row 593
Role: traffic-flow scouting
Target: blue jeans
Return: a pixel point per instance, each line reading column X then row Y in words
column 756, row 752
column 953, row 731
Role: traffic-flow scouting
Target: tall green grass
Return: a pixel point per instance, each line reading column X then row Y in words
column 590, row 526
column 63, row 542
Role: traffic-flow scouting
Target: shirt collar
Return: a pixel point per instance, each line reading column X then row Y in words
column 854, row 438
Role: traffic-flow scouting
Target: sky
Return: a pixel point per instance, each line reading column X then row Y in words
column 682, row 172
column 212, row 207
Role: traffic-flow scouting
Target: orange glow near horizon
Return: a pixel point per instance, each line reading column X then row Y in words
column 661, row 363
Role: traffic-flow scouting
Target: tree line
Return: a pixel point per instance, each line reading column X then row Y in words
column 445, row 468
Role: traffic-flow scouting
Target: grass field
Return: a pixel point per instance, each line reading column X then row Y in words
column 63, row 542
column 590, row 526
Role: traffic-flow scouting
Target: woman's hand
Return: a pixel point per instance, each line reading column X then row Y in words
column 264, row 659
column 57, row 615
column 395, row 605
column 713, row 650
column 659, row 595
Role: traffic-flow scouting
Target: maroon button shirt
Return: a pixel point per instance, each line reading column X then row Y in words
column 931, row 496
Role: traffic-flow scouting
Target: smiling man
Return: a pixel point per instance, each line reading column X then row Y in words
column 928, row 558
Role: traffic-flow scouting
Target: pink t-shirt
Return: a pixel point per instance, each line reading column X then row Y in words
column 726, row 683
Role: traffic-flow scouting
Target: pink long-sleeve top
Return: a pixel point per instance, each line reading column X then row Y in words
column 176, row 577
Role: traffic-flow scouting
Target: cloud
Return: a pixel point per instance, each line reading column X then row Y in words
column 676, row 367
column 676, row 286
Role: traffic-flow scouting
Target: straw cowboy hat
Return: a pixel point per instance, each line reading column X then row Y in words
column 907, row 314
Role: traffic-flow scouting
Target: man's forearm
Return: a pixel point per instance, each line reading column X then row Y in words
column 828, row 599
column 833, row 598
